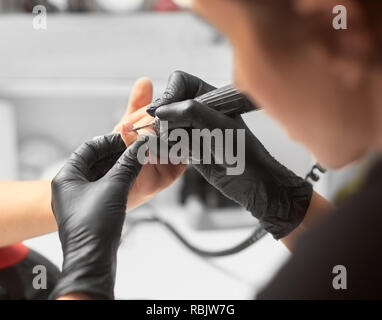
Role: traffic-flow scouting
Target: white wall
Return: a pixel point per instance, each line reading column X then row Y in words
column 72, row 81
column 8, row 145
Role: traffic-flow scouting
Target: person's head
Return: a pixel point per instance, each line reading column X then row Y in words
column 323, row 85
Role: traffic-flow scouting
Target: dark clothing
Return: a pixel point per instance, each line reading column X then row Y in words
column 352, row 237
column 16, row 281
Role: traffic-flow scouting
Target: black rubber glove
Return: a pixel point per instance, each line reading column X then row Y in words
column 180, row 86
column 89, row 198
column 276, row 196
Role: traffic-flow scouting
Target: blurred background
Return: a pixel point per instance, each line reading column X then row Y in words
column 71, row 82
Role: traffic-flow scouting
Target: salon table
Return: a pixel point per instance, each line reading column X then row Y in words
column 153, row 264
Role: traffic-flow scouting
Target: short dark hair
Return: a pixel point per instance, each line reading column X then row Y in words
column 283, row 24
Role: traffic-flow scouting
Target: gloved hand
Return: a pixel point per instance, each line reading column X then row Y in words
column 89, row 198
column 276, row 196
column 180, row 86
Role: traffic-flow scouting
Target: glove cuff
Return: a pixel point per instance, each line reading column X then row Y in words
column 300, row 199
column 90, row 271
column 98, row 285
column 284, row 209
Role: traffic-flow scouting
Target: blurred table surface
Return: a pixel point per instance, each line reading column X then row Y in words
column 153, row 264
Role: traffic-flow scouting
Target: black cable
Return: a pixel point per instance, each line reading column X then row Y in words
column 256, row 235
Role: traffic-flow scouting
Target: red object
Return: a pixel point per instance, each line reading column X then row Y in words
column 12, row 255
column 166, row 5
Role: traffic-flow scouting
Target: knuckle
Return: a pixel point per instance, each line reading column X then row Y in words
column 178, row 79
column 56, row 182
column 177, row 73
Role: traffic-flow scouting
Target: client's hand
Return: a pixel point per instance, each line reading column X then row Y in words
column 153, row 178
column 89, row 201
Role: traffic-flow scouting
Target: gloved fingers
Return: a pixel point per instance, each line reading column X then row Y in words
column 181, row 86
column 128, row 166
column 193, row 114
column 94, row 158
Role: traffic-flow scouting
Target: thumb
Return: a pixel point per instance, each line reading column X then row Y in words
column 129, row 164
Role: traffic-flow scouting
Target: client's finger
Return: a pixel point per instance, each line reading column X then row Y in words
column 127, row 133
column 141, row 95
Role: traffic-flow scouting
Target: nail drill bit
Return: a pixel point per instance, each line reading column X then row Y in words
column 145, row 126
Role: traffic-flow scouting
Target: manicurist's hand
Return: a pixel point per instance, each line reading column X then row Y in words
column 277, row 197
column 89, row 201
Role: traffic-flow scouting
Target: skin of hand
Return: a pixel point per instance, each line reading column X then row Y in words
column 153, row 178
column 89, row 198
column 25, row 211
